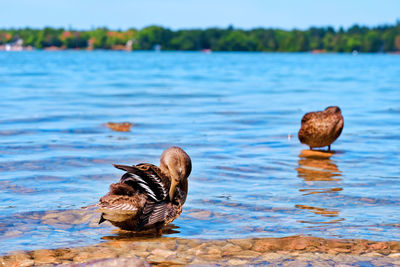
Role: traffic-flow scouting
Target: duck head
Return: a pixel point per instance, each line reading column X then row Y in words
column 177, row 165
column 333, row 109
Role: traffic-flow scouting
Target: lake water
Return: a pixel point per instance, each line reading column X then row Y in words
column 236, row 115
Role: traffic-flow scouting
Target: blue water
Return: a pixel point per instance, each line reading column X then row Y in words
column 236, row 115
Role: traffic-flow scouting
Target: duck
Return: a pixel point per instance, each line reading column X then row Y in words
column 147, row 196
column 321, row 128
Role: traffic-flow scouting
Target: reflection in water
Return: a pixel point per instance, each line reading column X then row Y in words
column 118, row 234
column 315, row 166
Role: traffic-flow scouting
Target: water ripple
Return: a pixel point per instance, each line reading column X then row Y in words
column 237, row 116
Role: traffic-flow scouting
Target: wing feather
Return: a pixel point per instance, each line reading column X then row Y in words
column 153, row 213
column 120, row 204
column 144, row 178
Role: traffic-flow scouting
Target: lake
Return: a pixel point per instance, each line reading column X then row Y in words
column 236, row 114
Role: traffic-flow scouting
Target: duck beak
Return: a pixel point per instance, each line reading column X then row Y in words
column 174, row 183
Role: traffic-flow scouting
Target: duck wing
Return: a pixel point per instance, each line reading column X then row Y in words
column 146, row 178
column 153, row 213
column 120, row 204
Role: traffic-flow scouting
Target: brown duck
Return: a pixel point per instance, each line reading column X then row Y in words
column 148, row 196
column 321, row 128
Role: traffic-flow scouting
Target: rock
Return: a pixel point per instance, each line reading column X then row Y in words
column 12, row 234
column 18, row 258
column 44, row 256
column 230, row 249
column 236, row 262
column 82, row 257
column 50, row 215
column 163, row 252
column 264, row 245
column 212, row 258
column 66, row 254
column 342, row 250
column 200, row 215
column 214, row 250
column 243, row 243
column 270, row 256
column 247, row 254
column 51, row 221
column 299, row 244
column 295, row 263
column 155, row 259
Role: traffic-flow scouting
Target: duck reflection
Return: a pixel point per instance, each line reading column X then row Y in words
column 124, row 235
column 315, row 167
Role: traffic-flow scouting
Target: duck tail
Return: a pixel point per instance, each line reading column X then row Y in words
column 124, row 167
column 102, row 219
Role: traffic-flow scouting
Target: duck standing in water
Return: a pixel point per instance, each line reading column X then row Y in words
column 148, row 196
column 321, row 128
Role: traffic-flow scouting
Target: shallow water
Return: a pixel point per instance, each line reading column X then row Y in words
column 237, row 116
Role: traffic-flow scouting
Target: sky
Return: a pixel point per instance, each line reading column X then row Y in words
column 188, row 14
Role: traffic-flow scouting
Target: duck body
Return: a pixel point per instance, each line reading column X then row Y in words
column 147, row 196
column 321, row 128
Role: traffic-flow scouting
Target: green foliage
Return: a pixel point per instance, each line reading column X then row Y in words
column 48, row 37
column 99, row 37
column 75, row 40
column 154, row 35
column 236, row 41
column 385, row 38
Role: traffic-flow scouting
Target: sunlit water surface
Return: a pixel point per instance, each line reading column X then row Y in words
column 237, row 116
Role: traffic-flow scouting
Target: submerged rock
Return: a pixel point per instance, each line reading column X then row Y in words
column 286, row 251
column 116, row 262
column 119, row 126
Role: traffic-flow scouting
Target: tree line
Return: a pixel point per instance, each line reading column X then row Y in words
column 385, row 38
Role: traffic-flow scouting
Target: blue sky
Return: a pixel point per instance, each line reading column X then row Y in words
column 180, row 14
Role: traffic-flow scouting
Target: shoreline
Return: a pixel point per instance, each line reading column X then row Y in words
column 58, row 49
column 179, row 251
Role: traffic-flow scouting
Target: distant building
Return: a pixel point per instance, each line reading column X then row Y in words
column 90, row 43
column 128, row 45
column 15, row 46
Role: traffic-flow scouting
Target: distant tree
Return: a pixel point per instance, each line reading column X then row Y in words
column 5, row 37
column 99, row 38
column 154, row 35
column 209, row 38
column 186, row 40
column 48, row 37
column 372, row 42
column 74, row 39
column 265, row 39
column 294, row 41
column 328, row 42
column 381, row 38
column 236, row 41
column 397, row 42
